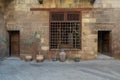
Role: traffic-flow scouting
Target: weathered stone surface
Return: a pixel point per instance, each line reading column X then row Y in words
column 102, row 17
column 3, row 45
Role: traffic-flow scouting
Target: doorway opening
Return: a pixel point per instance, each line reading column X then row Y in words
column 104, row 42
column 14, row 43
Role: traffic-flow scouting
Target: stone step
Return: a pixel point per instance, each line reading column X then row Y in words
column 104, row 57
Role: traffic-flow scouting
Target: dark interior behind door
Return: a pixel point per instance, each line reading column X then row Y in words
column 104, row 42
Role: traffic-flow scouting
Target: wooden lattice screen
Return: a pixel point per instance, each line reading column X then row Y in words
column 65, row 30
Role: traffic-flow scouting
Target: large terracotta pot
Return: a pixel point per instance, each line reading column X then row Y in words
column 62, row 56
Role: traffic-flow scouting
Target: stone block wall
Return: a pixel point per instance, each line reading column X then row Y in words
column 19, row 17
column 3, row 38
column 89, row 36
column 28, row 23
column 107, row 16
column 105, row 19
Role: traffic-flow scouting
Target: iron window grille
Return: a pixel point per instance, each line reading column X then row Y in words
column 65, row 30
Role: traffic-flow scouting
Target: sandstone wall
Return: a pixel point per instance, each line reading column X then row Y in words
column 3, row 38
column 107, row 4
column 28, row 22
column 107, row 18
column 19, row 17
column 89, row 35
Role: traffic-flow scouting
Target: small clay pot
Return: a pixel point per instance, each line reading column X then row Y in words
column 77, row 59
column 28, row 58
column 54, row 59
column 39, row 58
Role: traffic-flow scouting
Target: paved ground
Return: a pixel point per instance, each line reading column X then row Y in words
column 16, row 69
column 105, row 57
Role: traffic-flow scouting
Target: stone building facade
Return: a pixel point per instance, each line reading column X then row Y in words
column 99, row 28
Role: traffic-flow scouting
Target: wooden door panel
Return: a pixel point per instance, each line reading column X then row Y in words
column 105, row 42
column 14, row 43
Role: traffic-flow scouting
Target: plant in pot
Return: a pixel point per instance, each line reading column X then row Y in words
column 28, row 57
column 77, row 57
column 54, row 57
column 34, row 41
column 38, row 56
column 75, row 37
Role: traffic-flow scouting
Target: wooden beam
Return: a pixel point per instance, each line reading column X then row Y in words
column 59, row 9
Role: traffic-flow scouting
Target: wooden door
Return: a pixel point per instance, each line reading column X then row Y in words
column 104, row 42
column 14, row 43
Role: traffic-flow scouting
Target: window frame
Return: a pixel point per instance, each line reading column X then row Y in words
column 65, row 20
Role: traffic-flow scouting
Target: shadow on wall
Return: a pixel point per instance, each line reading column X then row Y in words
column 4, row 3
column 3, row 47
column 92, row 1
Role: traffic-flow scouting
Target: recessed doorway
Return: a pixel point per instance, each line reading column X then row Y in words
column 14, row 43
column 104, row 42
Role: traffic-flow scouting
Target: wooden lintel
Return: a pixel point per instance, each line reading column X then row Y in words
column 60, row 9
